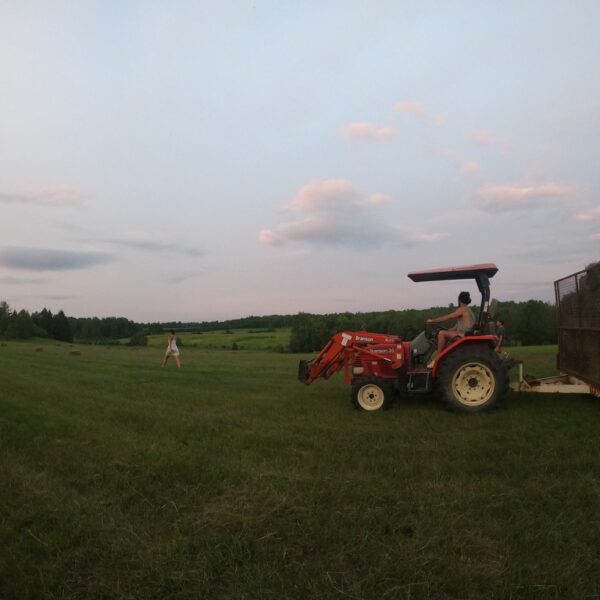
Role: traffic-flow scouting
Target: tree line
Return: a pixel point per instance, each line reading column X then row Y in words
column 20, row 324
column 528, row 323
column 531, row 323
column 251, row 322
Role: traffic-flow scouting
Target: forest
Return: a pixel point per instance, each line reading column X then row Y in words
column 529, row 323
column 20, row 324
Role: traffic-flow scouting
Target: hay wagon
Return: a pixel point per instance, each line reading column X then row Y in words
column 578, row 325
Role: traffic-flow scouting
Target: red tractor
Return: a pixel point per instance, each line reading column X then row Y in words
column 468, row 373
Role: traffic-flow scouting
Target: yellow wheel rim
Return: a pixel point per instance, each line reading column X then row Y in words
column 473, row 384
column 370, row 397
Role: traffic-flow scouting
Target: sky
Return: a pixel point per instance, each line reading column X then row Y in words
column 202, row 160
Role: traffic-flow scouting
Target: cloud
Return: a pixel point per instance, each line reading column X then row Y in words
column 411, row 107
column 54, row 196
column 179, row 277
column 591, row 215
column 269, row 238
column 45, row 259
column 336, row 212
column 378, row 199
column 427, row 238
column 595, row 237
column 489, row 139
column 465, row 168
column 149, row 242
column 507, row 198
column 468, row 167
column 20, row 280
column 420, row 111
column 367, row 130
column 482, row 137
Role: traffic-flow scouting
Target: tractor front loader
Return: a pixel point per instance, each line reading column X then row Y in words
column 468, row 373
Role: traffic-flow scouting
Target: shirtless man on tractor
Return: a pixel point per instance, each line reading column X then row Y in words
column 466, row 320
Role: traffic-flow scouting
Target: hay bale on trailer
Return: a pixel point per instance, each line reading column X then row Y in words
column 578, row 313
column 578, row 325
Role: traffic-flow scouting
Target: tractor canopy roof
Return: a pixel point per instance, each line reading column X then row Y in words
column 468, row 272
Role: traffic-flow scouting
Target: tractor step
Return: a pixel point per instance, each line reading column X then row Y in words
column 419, row 382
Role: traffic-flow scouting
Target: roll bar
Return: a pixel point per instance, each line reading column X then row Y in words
column 480, row 273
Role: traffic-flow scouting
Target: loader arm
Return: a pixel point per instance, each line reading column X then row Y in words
column 327, row 362
column 339, row 351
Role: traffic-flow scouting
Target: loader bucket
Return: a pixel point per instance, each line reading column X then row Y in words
column 303, row 371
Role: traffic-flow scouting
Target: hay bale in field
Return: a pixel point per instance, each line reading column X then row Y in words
column 75, row 353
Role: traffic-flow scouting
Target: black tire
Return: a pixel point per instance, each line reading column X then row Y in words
column 372, row 393
column 473, row 379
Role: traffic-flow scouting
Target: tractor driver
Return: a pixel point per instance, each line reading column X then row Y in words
column 466, row 320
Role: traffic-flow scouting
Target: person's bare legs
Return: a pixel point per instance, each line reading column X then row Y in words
column 178, row 361
column 444, row 337
column 165, row 359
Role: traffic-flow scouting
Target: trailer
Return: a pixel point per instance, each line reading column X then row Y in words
column 578, row 326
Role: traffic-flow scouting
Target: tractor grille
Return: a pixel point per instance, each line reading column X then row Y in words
column 578, row 313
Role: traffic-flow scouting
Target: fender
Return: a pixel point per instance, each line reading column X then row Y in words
column 479, row 340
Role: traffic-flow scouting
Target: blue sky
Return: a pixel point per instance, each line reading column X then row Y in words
column 211, row 160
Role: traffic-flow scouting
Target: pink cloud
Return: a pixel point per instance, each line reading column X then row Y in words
column 505, row 198
column 367, row 130
column 482, row 137
column 411, row 107
column 378, row 199
column 334, row 212
column 427, row 238
column 490, row 139
column 420, row 111
column 324, row 194
column 269, row 238
column 468, row 167
column 590, row 215
column 60, row 195
column 465, row 168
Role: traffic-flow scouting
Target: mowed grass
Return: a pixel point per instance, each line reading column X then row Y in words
column 230, row 479
column 244, row 339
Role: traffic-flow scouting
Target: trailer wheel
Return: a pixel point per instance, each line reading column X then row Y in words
column 372, row 393
column 473, row 379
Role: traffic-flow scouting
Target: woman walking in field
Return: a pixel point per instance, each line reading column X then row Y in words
column 172, row 350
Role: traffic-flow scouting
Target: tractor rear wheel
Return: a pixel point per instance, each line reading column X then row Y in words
column 372, row 393
column 473, row 379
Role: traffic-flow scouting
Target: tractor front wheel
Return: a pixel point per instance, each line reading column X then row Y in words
column 473, row 379
column 372, row 393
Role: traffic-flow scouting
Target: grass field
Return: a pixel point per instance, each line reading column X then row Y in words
column 228, row 479
column 244, row 339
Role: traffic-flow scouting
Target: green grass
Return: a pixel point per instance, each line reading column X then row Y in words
column 244, row 339
column 539, row 361
column 228, row 479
